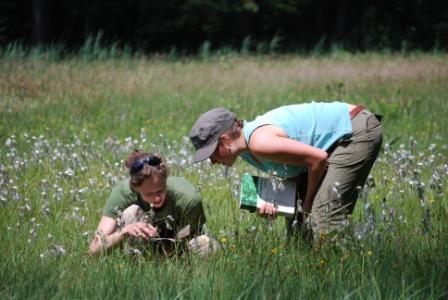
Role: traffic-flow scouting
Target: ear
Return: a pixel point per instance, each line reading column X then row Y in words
column 225, row 139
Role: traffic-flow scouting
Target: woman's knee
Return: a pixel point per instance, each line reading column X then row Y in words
column 131, row 214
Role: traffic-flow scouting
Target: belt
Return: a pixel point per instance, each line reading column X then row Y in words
column 355, row 111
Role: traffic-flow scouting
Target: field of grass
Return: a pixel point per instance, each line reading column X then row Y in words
column 67, row 125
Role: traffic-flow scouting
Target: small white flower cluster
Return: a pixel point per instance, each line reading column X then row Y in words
column 49, row 178
column 54, row 250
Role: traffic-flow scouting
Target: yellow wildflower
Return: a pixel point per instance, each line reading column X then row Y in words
column 322, row 236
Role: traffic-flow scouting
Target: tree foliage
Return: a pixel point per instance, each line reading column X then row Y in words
column 158, row 25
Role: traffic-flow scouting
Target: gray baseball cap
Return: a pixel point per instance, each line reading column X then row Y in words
column 208, row 128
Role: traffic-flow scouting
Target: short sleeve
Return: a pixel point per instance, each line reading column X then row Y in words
column 119, row 199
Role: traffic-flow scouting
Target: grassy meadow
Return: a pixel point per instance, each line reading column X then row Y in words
column 68, row 124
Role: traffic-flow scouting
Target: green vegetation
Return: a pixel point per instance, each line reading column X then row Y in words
column 67, row 124
column 261, row 26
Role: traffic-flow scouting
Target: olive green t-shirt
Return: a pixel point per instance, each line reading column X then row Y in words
column 182, row 207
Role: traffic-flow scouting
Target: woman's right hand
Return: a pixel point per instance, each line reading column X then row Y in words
column 141, row 230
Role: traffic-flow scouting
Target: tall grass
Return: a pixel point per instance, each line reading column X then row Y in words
column 67, row 124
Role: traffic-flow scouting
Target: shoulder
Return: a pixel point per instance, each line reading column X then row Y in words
column 265, row 135
column 178, row 183
column 119, row 198
column 122, row 188
column 182, row 190
column 187, row 201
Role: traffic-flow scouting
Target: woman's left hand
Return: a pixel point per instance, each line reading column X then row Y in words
column 267, row 210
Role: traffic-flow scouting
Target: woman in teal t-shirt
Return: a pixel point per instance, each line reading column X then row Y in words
column 331, row 145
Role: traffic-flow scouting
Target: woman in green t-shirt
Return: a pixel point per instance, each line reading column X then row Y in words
column 150, row 206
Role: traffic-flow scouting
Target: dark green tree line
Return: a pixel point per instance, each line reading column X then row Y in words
column 156, row 25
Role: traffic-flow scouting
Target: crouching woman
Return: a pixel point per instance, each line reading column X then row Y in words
column 150, row 208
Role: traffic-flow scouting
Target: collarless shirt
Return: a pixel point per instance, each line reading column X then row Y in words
column 317, row 124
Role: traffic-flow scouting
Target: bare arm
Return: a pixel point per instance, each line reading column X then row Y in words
column 272, row 143
column 107, row 235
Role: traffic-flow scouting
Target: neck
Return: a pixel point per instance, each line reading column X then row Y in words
column 241, row 144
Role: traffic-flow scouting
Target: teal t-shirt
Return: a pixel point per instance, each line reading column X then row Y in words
column 182, row 207
column 316, row 124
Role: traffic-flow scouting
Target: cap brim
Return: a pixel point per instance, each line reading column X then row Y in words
column 205, row 152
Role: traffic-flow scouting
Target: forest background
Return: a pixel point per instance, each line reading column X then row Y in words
column 255, row 26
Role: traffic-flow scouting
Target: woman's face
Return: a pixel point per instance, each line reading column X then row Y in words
column 223, row 154
column 153, row 191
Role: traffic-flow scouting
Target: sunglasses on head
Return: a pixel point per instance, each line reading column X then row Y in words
column 137, row 166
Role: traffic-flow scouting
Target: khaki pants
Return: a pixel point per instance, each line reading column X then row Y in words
column 349, row 165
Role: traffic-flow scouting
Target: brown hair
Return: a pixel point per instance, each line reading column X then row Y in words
column 160, row 170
